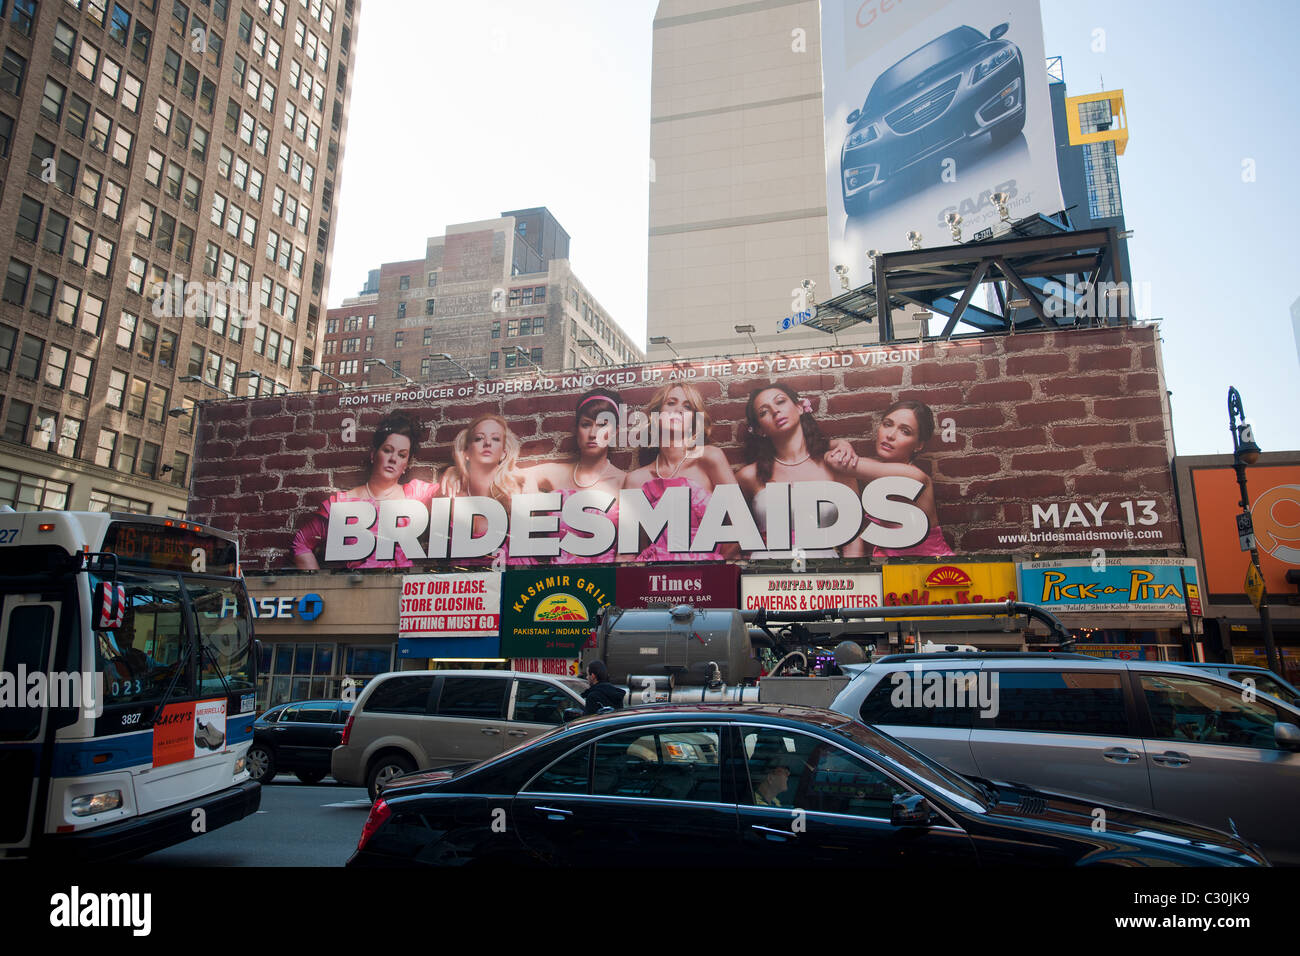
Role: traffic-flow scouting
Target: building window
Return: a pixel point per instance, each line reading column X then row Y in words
column 24, row 492
column 16, row 421
column 116, row 389
column 106, row 449
column 127, row 452
column 108, row 501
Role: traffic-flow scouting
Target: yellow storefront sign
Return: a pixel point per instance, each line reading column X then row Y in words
column 932, row 585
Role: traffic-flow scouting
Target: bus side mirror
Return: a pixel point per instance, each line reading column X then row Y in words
column 109, row 605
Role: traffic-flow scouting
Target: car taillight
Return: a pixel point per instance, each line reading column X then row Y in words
column 347, row 731
column 379, row 813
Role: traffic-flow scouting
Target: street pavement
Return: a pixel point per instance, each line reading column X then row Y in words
column 298, row 825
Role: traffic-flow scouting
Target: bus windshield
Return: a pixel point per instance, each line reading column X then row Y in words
column 147, row 659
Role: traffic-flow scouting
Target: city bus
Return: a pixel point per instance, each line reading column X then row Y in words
column 126, row 684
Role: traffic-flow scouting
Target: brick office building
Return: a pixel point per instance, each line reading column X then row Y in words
column 482, row 291
column 146, row 143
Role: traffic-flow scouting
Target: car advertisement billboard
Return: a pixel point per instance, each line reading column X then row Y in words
column 1112, row 584
column 991, row 446
column 932, row 108
column 1275, row 516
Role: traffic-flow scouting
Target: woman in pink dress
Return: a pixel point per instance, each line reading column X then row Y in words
column 902, row 435
column 485, row 460
column 595, row 421
column 682, row 457
column 393, row 448
column 784, row 443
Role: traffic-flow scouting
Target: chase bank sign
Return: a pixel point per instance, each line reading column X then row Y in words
column 276, row 608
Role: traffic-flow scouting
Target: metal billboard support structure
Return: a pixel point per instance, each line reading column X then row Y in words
column 943, row 280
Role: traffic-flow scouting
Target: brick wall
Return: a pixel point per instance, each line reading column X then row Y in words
column 1047, row 418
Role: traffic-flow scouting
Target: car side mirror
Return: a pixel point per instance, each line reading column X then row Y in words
column 909, row 811
column 998, row 31
column 1286, row 734
column 571, row 713
column 854, row 117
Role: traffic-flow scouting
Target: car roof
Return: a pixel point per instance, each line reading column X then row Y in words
column 730, row 712
column 470, row 673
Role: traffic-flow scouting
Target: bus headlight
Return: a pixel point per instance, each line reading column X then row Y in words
column 240, row 764
column 89, row 804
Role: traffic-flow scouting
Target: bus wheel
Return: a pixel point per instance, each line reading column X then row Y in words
column 261, row 764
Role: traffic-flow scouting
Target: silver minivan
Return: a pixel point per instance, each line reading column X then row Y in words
column 1148, row 734
column 409, row 720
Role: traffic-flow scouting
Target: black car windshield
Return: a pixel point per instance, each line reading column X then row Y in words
column 911, row 760
column 951, row 44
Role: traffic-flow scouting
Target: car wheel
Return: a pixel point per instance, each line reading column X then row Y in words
column 261, row 764
column 310, row 776
column 385, row 769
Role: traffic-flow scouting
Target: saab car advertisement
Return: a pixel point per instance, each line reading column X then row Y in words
column 1112, row 584
column 931, row 108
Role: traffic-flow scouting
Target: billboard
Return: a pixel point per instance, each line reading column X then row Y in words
column 991, row 446
column 1117, row 584
column 931, row 108
column 1275, row 513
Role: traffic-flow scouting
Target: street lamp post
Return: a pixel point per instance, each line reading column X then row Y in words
column 1246, row 452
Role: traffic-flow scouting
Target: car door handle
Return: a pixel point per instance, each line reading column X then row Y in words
column 554, row 813
column 772, row 833
column 1120, row 755
column 517, row 733
column 1171, row 759
column 279, row 730
column 490, row 731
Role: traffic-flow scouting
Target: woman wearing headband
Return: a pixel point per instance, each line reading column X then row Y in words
column 595, row 422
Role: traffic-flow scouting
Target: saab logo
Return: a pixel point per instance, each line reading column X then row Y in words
column 948, row 576
column 1276, row 515
column 561, row 607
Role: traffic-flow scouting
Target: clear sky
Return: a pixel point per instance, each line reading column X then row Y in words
column 463, row 110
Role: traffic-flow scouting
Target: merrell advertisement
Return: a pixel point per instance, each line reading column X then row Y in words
column 935, row 111
column 995, row 446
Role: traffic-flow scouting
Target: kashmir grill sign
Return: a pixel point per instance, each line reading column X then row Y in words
column 549, row 613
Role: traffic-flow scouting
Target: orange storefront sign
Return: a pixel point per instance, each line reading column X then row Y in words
column 948, row 583
column 1275, row 511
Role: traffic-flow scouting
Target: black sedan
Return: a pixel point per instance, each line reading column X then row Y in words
column 941, row 97
column 298, row 738
column 738, row 785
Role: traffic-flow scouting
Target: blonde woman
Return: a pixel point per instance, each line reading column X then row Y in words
column 680, row 456
column 485, row 463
